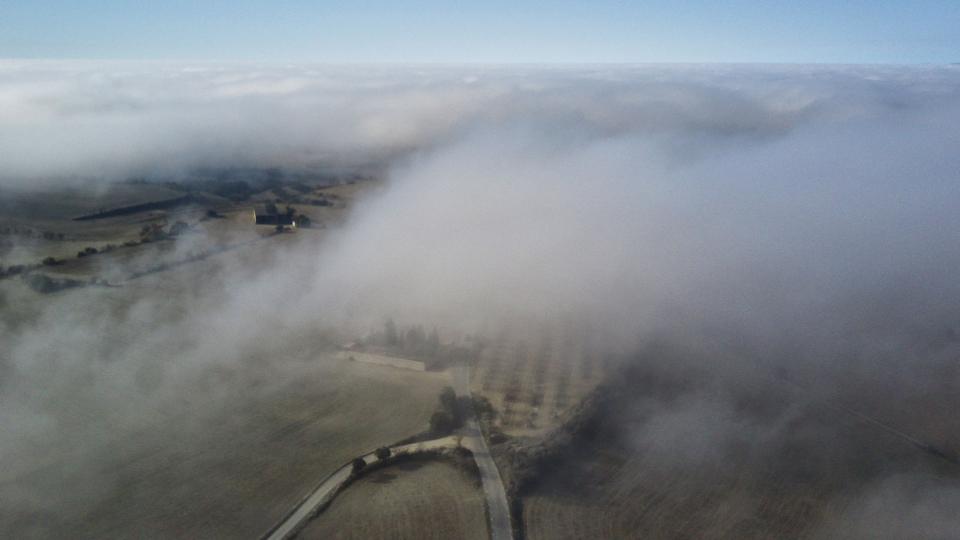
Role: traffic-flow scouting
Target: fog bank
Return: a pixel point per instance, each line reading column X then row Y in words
column 769, row 217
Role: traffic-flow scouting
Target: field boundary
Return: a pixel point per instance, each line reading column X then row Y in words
column 164, row 204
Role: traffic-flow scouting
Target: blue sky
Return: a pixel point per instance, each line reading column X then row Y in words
column 839, row 31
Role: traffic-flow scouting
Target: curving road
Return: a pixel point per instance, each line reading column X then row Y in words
column 331, row 485
column 470, row 437
column 496, row 496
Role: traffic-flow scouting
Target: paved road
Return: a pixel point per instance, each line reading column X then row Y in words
column 472, row 438
column 329, row 488
column 493, row 491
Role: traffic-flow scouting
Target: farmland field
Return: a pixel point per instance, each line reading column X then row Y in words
column 700, row 472
column 532, row 378
column 172, row 432
column 233, row 472
column 410, row 500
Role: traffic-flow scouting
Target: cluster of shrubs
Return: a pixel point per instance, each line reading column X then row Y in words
column 89, row 250
column 383, row 453
column 45, row 284
column 155, row 232
column 148, row 233
column 15, row 269
column 152, row 233
column 452, row 412
column 415, row 341
column 450, row 415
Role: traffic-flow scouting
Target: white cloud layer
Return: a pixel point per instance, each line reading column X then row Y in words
column 62, row 120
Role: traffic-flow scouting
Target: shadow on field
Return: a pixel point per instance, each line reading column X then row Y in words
column 387, row 476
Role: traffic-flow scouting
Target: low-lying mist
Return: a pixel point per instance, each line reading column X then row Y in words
column 798, row 220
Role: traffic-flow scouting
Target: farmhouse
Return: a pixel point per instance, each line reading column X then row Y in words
column 268, row 215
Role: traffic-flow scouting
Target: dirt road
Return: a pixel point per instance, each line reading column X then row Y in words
column 470, row 437
column 493, row 491
column 330, row 486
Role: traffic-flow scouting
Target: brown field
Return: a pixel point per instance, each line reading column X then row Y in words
column 257, row 433
column 784, row 468
column 415, row 500
column 236, row 470
column 927, row 412
column 188, row 447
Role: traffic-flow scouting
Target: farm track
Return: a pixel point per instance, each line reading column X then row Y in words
column 470, row 437
column 324, row 493
column 495, row 494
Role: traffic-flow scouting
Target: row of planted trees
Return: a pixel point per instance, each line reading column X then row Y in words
column 415, row 340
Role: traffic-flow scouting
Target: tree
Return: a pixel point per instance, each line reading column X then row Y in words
column 178, row 228
column 441, row 422
column 152, row 233
column 448, row 399
column 382, row 453
column 433, row 343
column 482, row 407
column 448, row 417
column 415, row 339
column 358, row 465
column 390, row 332
column 270, row 208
